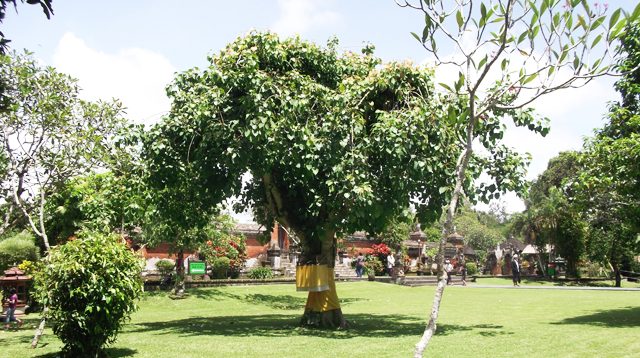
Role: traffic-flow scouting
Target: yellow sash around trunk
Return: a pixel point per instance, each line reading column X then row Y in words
column 318, row 280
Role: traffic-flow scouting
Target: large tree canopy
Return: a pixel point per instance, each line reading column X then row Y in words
column 333, row 142
column 609, row 184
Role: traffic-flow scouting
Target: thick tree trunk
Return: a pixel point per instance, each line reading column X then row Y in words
column 322, row 309
column 178, row 289
column 618, row 276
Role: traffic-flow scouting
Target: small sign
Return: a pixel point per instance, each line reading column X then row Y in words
column 197, row 268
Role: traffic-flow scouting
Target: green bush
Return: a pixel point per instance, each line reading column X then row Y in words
column 17, row 248
column 220, row 267
column 90, row 286
column 592, row 269
column 260, row 273
column 373, row 265
column 165, row 267
column 471, row 267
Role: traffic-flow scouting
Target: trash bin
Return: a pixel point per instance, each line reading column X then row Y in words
column 551, row 270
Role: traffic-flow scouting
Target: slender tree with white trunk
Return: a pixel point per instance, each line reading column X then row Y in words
column 507, row 54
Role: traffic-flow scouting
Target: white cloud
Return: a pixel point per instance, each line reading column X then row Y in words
column 299, row 16
column 135, row 76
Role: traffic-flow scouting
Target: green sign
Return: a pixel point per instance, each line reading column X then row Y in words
column 197, row 268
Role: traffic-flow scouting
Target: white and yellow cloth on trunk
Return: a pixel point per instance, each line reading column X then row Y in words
column 318, row 280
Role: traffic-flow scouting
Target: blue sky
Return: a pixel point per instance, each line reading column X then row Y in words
column 131, row 49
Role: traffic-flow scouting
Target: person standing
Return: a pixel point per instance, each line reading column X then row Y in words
column 391, row 261
column 11, row 310
column 359, row 265
column 463, row 272
column 448, row 268
column 515, row 270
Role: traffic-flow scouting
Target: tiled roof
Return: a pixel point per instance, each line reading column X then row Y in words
column 250, row 228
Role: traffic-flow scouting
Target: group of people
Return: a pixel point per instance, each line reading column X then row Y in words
column 516, row 268
column 391, row 261
column 461, row 268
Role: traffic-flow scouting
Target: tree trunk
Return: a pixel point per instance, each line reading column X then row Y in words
column 616, row 270
column 461, row 168
column 40, row 329
column 322, row 309
column 178, row 289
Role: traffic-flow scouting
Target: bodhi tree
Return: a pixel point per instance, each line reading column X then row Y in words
column 334, row 143
column 508, row 53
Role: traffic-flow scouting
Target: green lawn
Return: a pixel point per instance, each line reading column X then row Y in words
column 506, row 281
column 386, row 321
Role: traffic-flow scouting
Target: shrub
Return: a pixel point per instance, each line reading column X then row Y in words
column 220, row 267
column 260, row 273
column 165, row 267
column 591, row 269
column 373, row 265
column 30, row 267
column 17, row 248
column 90, row 286
column 471, row 267
column 223, row 242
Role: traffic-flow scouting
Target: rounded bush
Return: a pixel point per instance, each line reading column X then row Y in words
column 165, row 267
column 220, row 267
column 90, row 286
column 373, row 265
column 18, row 248
column 260, row 273
column 472, row 268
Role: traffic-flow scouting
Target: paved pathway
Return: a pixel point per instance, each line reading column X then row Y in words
column 541, row 287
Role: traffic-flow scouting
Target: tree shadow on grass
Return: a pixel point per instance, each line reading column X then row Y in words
column 271, row 325
column 617, row 318
column 282, row 302
column 110, row 352
column 486, row 330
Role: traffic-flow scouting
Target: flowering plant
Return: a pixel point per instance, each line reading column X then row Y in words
column 380, row 250
column 225, row 244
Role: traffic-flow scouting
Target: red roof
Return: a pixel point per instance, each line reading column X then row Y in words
column 14, row 274
column 13, row 271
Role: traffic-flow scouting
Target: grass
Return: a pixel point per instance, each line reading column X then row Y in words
column 386, row 321
column 506, row 281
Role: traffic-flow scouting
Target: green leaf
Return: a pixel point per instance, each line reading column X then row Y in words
column 522, row 37
column 552, row 69
column 544, row 7
column 530, row 78
column 483, row 61
column 597, row 23
column 636, row 13
column 614, row 18
column 596, row 40
column 446, row 86
column 425, row 34
column 459, row 19
column 416, row 37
